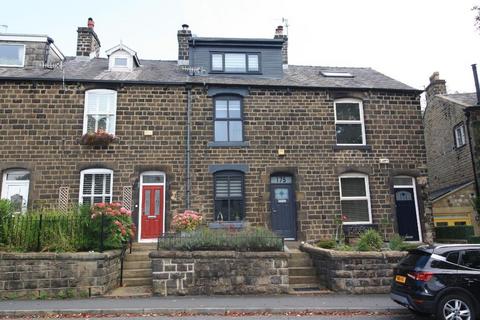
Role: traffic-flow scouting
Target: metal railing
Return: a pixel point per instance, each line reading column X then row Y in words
column 39, row 232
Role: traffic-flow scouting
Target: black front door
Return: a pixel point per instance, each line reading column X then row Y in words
column 406, row 214
column 283, row 208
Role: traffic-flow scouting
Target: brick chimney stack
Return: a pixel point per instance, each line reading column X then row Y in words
column 183, row 36
column 88, row 44
column 279, row 35
column 436, row 86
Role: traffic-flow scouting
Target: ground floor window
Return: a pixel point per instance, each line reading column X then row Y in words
column 15, row 187
column 355, row 198
column 229, row 196
column 96, row 186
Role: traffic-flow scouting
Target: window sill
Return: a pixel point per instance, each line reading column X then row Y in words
column 353, row 147
column 226, row 144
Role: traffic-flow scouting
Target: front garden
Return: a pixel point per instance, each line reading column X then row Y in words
column 82, row 229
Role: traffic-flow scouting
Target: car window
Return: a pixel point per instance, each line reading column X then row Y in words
column 451, row 262
column 415, row 258
column 470, row 259
column 452, row 257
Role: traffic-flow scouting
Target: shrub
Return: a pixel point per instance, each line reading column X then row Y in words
column 474, row 239
column 454, row 232
column 398, row 243
column 252, row 239
column 186, row 221
column 117, row 224
column 326, row 244
column 370, row 240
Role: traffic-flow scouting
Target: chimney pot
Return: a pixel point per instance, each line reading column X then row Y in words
column 279, row 31
column 185, row 26
column 436, row 86
column 91, row 23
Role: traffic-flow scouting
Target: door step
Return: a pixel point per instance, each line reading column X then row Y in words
column 130, row 292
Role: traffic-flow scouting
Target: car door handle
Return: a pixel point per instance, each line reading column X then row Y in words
column 274, row 210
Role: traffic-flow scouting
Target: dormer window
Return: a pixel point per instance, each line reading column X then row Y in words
column 122, row 58
column 12, row 55
column 235, row 62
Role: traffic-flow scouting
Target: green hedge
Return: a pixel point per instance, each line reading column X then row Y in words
column 454, row 232
column 474, row 239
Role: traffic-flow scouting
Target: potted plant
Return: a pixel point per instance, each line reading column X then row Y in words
column 98, row 138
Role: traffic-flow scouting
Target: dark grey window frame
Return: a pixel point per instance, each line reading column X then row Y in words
column 228, row 174
column 247, row 71
column 241, row 119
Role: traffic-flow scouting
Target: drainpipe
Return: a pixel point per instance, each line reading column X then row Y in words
column 477, row 192
column 467, row 113
column 188, row 148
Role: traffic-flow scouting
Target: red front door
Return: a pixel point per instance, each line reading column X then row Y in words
column 152, row 212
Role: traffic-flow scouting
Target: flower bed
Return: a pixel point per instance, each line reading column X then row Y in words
column 249, row 239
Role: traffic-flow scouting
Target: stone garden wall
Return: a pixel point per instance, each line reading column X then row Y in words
column 219, row 272
column 41, row 275
column 354, row 272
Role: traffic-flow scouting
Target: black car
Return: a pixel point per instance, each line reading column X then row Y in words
column 443, row 280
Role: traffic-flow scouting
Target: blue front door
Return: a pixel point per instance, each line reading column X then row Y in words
column 406, row 214
column 283, row 217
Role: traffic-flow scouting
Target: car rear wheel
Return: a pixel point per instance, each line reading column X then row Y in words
column 455, row 307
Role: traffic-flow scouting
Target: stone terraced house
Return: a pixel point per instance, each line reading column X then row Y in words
column 449, row 120
column 230, row 129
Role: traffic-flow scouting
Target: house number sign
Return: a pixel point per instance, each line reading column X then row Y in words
column 281, row 180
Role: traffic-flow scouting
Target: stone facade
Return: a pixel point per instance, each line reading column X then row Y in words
column 219, row 272
column 441, row 116
column 40, row 275
column 354, row 272
column 42, row 123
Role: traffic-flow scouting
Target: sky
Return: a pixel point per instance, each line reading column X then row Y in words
column 405, row 39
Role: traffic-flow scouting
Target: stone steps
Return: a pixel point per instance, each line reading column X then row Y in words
column 130, row 292
column 137, row 264
column 302, row 274
column 137, row 282
column 137, row 273
column 137, row 256
column 301, row 271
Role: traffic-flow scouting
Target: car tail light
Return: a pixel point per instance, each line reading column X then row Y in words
column 421, row 276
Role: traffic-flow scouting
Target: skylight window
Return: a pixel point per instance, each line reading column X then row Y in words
column 333, row 74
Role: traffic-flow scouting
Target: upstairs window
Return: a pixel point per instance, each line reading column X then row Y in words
column 459, row 134
column 235, row 62
column 96, row 186
column 349, row 124
column 228, row 124
column 355, row 198
column 229, row 196
column 12, row 55
column 100, row 109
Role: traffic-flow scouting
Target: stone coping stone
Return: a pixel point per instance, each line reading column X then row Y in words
column 79, row 256
column 335, row 254
column 219, row 254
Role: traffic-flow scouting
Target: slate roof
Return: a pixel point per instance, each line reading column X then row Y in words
column 434, row 195
column 465, row 99
column 158, row 71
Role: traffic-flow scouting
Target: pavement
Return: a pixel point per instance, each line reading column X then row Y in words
column 205, row 305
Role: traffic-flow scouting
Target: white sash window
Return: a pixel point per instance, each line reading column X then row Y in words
column 100, row 111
